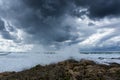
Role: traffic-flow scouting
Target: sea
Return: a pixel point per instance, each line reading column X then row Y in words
column 18, row 61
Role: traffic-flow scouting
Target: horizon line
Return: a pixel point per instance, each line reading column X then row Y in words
column 52, row 51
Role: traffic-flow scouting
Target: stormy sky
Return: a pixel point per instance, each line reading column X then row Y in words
column 92, row 25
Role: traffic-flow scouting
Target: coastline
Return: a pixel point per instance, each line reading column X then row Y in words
column 67, row 70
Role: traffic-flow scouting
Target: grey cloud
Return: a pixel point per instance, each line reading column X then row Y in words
column 5, row 31
column 6, row 35
column 100, row 8
column 43, row 19
column 2, row 25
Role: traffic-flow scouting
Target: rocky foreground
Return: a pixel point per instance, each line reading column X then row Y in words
column 67, row 70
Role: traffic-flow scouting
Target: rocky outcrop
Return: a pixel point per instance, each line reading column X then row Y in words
column 67, row 70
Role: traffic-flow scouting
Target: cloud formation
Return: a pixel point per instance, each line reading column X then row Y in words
column 59, row 22
column 100, row 8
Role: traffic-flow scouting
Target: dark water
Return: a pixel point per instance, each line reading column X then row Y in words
column 100, row 52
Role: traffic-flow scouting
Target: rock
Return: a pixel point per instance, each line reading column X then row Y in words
column 87, row 62
column 114, row 64
column 101, row 58
column 114, row 70
column 67, row 70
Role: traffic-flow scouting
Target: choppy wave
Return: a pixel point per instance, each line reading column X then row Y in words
column 17, row 61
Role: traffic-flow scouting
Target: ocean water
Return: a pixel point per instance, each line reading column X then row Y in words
column 17, row 61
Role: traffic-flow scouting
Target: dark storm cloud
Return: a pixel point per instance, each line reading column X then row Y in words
column 100, row 8
column 6, row 33
column 44, row 19
column 3, row 31
column 49, row 7
column 2, row 25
